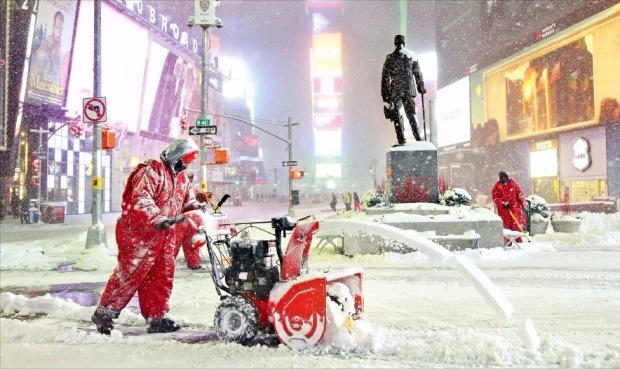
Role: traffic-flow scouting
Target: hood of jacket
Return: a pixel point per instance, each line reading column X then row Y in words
column 175, row 151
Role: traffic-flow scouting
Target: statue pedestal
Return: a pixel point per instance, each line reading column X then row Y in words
column 412, row 173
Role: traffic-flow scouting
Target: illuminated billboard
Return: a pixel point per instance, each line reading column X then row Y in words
column 51, row 53
column 452, row 113
column 328, row 170
column 326, row 54
column 544, row 159
column 556, row 86
column 327, row 142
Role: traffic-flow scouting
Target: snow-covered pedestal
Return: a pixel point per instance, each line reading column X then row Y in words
column 412, row 173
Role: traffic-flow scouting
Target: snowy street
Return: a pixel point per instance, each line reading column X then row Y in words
column 419, row 312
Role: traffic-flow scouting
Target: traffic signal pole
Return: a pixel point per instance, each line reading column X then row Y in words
column 96, row 232
column 291, row 212
column 204, row 89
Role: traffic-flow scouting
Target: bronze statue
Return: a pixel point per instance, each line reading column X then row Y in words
column 397, row 87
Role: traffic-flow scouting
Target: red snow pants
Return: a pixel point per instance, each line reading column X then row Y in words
column 145, row 265
column 192, row 254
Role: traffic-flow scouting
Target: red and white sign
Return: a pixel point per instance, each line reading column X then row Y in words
column 95, row 110
column 327, row 121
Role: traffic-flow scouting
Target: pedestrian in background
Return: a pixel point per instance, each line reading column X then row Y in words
column 347, row 201
column 334, row 201
column 15, row 204
column 356, row 202
column 23, row 213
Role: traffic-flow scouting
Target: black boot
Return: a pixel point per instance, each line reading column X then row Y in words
column 103, row 319
column 162, row 325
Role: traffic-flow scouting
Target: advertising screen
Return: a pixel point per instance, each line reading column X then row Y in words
column 452, row 113
column 327, row 143
column 51, row 53
column 556, row 86
column 326, row 170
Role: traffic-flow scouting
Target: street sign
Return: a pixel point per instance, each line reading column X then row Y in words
column 206, row 141
column 94, row 110
column 209, row 130
column 291, row 163
column 203, row 122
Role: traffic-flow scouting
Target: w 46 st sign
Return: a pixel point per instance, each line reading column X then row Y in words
column 208, row 130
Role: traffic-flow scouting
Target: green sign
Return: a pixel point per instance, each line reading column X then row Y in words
column 203, row 122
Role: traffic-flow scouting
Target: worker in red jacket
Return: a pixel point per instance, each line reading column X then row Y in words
column 186, row 232
column 156, row 194
column 509, row 202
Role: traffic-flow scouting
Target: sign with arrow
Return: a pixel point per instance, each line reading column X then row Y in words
column 208, row 130
column 291, row 163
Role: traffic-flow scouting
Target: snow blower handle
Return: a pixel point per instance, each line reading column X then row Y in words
column 222, row 201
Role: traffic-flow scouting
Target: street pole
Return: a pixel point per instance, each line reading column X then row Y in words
column 291, row 212
column 204, row 91
column 41, row 154
column 96, row 232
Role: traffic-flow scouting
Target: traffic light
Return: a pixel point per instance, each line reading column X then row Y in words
column 296, row 173
column 184, row 122
column 35, row 165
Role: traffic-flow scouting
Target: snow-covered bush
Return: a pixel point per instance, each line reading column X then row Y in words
column 539, row 209
column 374, row 198
column 455, row 197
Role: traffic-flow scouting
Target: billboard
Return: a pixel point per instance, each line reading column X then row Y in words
column 556, row 86
column 452, row 113
column 328, row 170
column 51, row 53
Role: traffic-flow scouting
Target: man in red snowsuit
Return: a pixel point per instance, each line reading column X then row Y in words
column 508, row 198
column 155, row 195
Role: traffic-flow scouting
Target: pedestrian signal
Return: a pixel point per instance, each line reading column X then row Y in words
column 296, row 173
column 222, row 155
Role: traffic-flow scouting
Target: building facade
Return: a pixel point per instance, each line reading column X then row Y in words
column 542, row 99
column 150, row 78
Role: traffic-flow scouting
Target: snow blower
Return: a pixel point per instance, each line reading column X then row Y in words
column 264, row 290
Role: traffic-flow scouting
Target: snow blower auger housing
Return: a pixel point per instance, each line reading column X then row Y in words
column 267, row 291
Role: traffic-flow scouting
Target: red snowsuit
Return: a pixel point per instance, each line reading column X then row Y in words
column 511, row 194
column 146, row 256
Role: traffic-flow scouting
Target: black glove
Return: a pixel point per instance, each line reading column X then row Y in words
column 422, row 91
column 167, row 222
column 506, row 204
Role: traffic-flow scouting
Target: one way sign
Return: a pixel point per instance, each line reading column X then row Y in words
column 208, row 130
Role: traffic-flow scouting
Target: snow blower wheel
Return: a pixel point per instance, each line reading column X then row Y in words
column 236, row 320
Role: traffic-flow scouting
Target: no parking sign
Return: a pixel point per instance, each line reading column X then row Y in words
column 94, row 110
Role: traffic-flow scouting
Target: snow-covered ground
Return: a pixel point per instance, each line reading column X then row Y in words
column 419, row 311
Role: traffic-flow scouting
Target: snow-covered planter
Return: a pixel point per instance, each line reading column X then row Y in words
column 539, row 214
column 374, row 198
column 565, row 224
column 455, row 197
column 538, row 205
